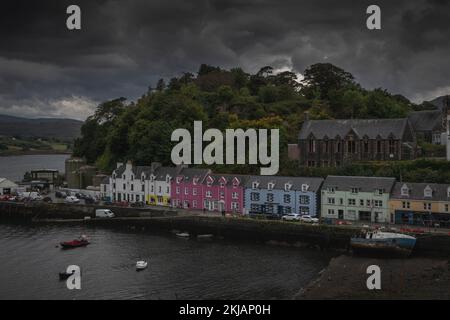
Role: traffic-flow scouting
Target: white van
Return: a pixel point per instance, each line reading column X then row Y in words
column 104, row 213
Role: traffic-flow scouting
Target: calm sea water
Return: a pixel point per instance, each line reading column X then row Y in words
column 178, row 268
column 14, row 167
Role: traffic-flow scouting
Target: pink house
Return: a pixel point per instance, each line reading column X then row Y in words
column 186, row 189
column 224, row 193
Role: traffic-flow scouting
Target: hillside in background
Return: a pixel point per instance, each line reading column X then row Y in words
column 60, row 129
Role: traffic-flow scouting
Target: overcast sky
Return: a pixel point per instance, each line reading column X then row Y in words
column 125, row 46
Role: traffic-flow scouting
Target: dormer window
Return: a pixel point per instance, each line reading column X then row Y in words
column 178, row 179
column 355, row 190
column 287, row 186
column 123, row 177
column 270, row 186
column 132, row 177
column 195, row 180
column 428, row 192
column 305, row 187
column 114, row 176
column 405, row 191
column 168, row 179
column 331, row 189
column 255, row 185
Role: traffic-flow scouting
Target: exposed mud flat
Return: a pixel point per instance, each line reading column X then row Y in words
column 413, row 278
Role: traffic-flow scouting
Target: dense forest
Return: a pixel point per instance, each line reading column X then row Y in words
column 141, row 130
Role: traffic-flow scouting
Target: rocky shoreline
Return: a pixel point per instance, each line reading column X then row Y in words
column 414, row 278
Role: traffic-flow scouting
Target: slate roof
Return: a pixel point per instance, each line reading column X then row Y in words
column 416, row 191
column 279, row 181
column 190, row 173
column 364, row 184
column 105, row 180
column 427, row 120
column 372, row 128
column 162, row 172
column 229, row 178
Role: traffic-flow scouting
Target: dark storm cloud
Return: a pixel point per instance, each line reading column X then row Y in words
column 123, row 47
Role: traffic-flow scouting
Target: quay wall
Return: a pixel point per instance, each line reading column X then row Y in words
column 321, row 236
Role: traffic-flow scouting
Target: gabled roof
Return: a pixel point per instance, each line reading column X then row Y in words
column 372, row 128
column 427, row 120
column 416, row 191
column 280, row 181
column 228, row 179
column 364, row 184
column 162, row 172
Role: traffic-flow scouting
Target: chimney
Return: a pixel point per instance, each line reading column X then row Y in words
column 129, row 165
column 306, row 116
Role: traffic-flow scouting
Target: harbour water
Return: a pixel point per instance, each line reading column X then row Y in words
column 178, row 268
column 14, row 167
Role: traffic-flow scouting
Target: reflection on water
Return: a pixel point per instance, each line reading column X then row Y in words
column 178, row 268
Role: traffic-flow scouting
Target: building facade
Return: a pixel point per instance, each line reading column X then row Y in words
column 275, row 195
column 7, row 187
column 324, row 143
column 224, row 193
column 187, row 189
column 357, row 198
column 423, row 204
column 159, row 185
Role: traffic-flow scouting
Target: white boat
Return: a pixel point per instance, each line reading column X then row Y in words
column 183, row 235
column 205, row 236
column 141, row 265
column 383, row 243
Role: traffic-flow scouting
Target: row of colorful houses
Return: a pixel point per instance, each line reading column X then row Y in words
column 370, row 199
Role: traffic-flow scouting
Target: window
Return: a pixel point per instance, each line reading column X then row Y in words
column 361, row 202
column 330, row 200
column 406, row 204
column 426, row 206
column 208, row 194
column 355, row 190
column 160, row 189
column 270, row 186
column 341, row 201
column 222, row 185
column 287, row 210
column 194, row 203
column 137, row 198
column 326, row 146
column 143, row 188
column 304, row 200
column 186, row 191
column 351, row 202
column 194, row 191
column 351, row 147
column 132, row 187
column 391, row 146
column 287, row 186
column 132, row 177
column 270, row 197
column 428, row 192
column 331, row 211
column 366, row 146
column 446, row 208
column 255, row 208
column 234, row 206
column 305, row 187
column 124, row 186
column 177, row 190
column 379, row 192
column 330, row 189
column 368, row 203
column 312, row 146
column 378, row 203
column 153, row 189
column 235, row 195
column 303, row 210
column 255, row 185
column 287, row 198
column 448, row 192
column 167, row 189
column 254, row 196
column 222, row 194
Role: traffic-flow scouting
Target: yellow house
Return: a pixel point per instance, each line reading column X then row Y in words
column 424, row 204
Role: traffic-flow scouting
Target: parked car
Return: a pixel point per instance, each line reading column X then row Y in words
column 89, row 200
column 47, row 199
column 72, row 199
column 291, row 217
column 104, row 213
column 308, row 219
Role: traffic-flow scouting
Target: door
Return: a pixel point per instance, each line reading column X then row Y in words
column 341, row 214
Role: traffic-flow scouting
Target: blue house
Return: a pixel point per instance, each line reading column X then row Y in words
column 282, row 195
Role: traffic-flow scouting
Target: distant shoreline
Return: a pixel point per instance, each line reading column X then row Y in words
column 10, row 153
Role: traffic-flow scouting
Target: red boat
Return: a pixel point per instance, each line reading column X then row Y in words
column 81, row 242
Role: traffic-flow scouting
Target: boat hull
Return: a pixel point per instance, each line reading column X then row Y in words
column 383, row 247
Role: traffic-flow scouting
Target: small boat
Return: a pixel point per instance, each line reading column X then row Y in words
column 204, row 236
column 80, row 242
column 141, row 265
column 383, row 243
column 183, row 235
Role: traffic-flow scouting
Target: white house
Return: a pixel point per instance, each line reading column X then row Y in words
column 7, row 186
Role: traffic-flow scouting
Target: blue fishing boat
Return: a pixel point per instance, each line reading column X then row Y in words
column 383, row 244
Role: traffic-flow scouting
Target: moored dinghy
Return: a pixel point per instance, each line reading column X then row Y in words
column 141, row 265
column 383, row 243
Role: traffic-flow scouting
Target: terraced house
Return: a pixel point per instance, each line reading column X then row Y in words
column 357, row 198
column 282, row 195
column 224, row 193
column 127, row 184
column 159, row 185
column 187, row 189
column 424, row 204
